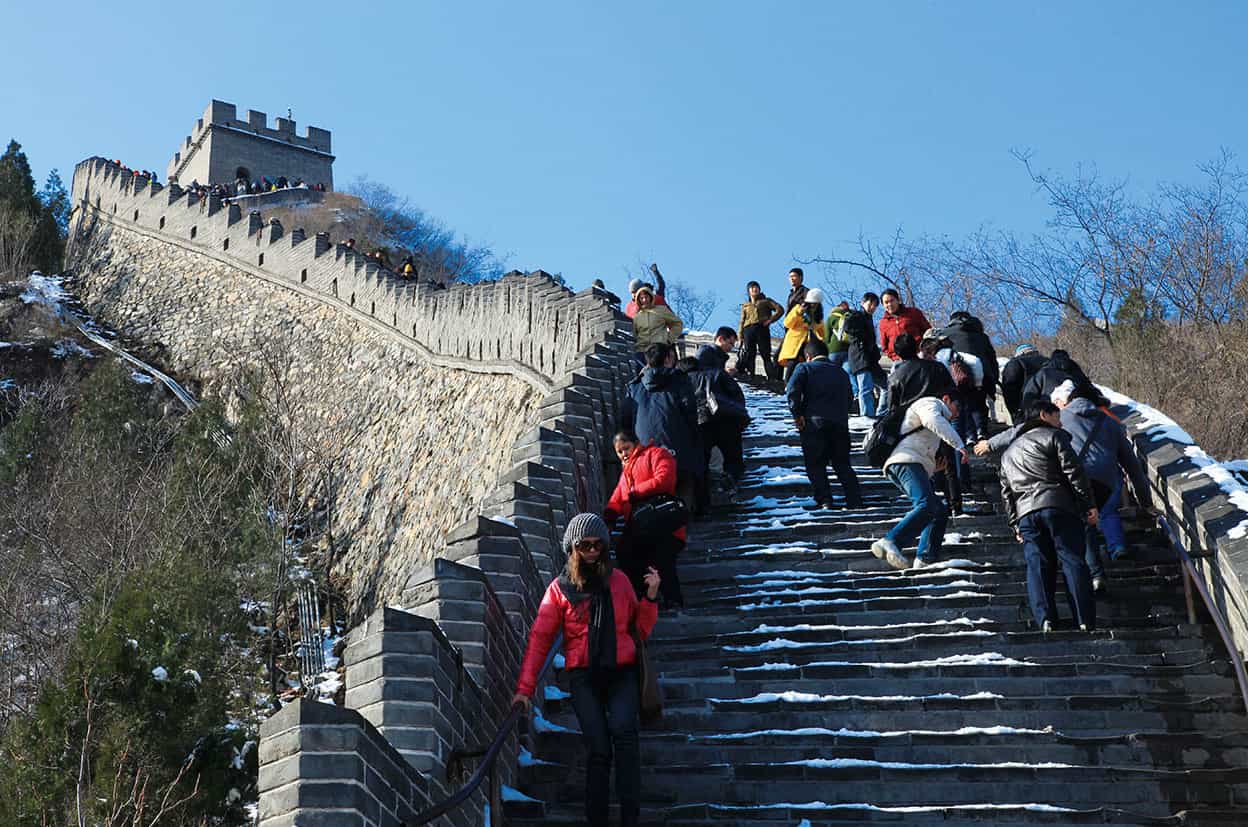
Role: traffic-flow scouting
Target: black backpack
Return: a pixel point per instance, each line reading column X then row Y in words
column 885, row 435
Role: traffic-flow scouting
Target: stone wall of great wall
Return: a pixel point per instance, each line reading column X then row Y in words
column 467, row 425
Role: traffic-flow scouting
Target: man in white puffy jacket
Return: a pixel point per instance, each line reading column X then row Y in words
column 927, row 423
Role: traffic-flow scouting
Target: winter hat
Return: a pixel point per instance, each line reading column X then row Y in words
column 813, row 296
column 634, row 285
column 645, row 288
column 1021, row 349
column 584, row 525
column 1061, row 395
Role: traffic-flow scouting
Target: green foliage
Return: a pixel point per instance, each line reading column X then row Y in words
column 108, row 728
column 21, row 442
column 17, row 185
column 55, row 200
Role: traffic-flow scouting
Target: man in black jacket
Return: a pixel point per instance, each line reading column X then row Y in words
column 797, row 294
column 1047, row 497
column 818, row 394
column 914, row 378
column 967, row 335
column 722, row 415
column 1061, row 367
column 1026, row 363
column 863, row 357
column 660, row 408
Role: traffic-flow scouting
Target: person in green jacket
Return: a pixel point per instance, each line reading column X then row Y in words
column 834, row 334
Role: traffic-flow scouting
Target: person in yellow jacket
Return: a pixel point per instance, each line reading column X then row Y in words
column 654, row 323
column 802, row 319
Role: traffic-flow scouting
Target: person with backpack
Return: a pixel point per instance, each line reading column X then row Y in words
column 804, row 320
column 594, row 607
column 1106, row 452
column 758, row 314
column 1026, row 362
column 862, row 358
column 1047, row 496
column 919, row 429
column 647, row 479
column 834, row 335
column 660, row 408
column 1061, row 367
column 966, row 335
column 818, row 394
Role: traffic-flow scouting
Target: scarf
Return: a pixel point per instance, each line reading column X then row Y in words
column 602, row 653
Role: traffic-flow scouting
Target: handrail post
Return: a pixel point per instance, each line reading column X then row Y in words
column 1188, row 596
column 496, row 804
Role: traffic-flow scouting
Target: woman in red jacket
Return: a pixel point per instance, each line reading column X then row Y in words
column 648, row 470
column 596, row 609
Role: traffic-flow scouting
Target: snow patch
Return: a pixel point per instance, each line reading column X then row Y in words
column 160, row 674
column 793, row 697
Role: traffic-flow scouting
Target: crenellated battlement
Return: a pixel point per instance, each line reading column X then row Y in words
column 526, row 324
column 221, row 143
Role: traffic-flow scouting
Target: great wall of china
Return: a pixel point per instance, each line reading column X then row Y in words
column 470, row 422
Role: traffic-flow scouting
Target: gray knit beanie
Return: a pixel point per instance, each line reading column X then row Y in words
column 634, row 285
column 585, row 525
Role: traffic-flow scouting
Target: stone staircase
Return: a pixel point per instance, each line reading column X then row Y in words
column 809, row 684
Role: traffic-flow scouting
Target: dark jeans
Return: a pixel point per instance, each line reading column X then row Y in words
column 726, row 435
column 756, row 339
column 949, row 483
column 823, row 444
column 1053, row 538
column 636, row 555
column 606, row 705
column 927, row 516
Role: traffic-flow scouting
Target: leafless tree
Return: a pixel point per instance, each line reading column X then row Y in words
column 17, row 235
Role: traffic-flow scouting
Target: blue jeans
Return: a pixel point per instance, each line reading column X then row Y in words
column 1052, row 538
column 1110, row 525
column 927, row 516
column 863, row 385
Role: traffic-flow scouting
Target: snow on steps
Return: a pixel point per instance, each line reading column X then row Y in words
column 808, row 684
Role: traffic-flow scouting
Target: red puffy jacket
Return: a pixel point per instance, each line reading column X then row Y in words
column 906, row 320
column 650, row 470
column 557, row 612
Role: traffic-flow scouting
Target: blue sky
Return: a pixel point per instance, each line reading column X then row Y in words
column 720, row 139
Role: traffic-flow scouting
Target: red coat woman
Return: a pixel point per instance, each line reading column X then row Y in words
column 648, row 470
column 595, row 607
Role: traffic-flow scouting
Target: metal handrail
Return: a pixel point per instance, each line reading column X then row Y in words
column 1192, row 577
column 488, row 756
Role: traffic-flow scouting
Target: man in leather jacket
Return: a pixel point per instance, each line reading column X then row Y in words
column 1047, row 498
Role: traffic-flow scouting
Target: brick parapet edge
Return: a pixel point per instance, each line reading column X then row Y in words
column 436, row 673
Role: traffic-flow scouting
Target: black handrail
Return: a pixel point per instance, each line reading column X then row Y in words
column 488, row 756
column 1192, row 577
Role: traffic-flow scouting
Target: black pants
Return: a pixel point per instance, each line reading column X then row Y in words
column 725, row 434
column 635, row 555
column 756, row 340
column 824, row 444
column 606, row 703
column 1051, row 539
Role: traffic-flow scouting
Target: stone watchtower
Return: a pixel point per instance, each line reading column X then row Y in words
column 222, row 149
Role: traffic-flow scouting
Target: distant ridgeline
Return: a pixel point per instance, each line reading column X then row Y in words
column 467, row 424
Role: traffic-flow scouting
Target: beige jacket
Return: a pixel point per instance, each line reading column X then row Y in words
column 656, row 325
column 927, row 422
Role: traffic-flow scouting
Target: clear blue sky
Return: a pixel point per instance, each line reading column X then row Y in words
column 719, row 139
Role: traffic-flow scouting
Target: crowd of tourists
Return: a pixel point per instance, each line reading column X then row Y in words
column 926, row 392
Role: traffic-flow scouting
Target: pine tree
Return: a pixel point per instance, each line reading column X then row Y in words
column 55, row 198
column 17, row 185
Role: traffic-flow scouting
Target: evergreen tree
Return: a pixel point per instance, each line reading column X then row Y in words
column 17, row 185
column 48, row 245
column 55, row 198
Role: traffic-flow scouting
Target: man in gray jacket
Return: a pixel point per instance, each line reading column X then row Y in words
column 1046, row 494
column 1102, row 443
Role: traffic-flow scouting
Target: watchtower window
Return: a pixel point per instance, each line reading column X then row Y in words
column 242, row 172
column 162, row 222
column 193, row 230
column 261, row 261
column 136, row 215
column 225, row 245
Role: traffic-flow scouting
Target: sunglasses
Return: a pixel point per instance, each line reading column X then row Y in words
column 589, row 545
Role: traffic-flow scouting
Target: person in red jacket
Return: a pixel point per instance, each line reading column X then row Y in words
column 648, row 470
column 899, row 319
column 595, row 607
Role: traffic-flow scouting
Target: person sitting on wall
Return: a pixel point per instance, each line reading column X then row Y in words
column 407, row 269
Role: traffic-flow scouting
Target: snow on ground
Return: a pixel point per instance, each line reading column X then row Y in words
column 1159, row 426
column 823, row 732
column 812, row 698
column 876, row 808
column 785, row 643
column 979, row 659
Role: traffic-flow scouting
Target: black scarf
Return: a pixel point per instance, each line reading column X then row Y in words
column 602, row 654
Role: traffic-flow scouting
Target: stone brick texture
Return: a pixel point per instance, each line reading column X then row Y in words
column 469, row 424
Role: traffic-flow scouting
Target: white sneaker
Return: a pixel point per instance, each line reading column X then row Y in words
column 1098, row 584
column 920, row 563
column 1048, row 626
column 887, row 550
